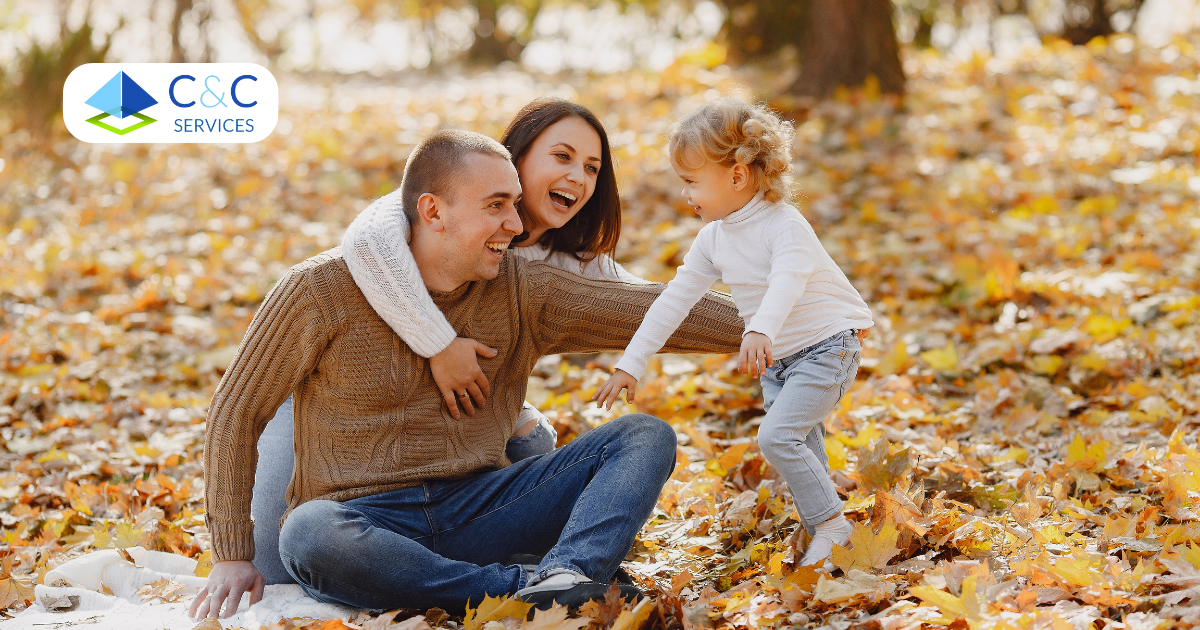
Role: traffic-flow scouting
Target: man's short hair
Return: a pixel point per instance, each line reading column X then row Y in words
column 439, row 163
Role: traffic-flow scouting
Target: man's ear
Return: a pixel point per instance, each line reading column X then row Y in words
column 430, row 210
column 741, row 176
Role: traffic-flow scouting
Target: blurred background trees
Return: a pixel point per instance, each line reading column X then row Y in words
column 817, row 44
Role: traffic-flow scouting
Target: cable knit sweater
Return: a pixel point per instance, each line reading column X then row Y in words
column 368, row 416
column 375, row 247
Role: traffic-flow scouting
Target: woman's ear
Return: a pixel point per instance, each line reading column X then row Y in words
column 430, row 211
column 741, row 176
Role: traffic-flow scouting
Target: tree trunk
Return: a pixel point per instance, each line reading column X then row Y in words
column 492, row 45
column 181, row 7
column 757, row 29
column 848, row 41
column 1097, row 23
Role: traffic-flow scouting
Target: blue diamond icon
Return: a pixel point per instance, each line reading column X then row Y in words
column 121, row 97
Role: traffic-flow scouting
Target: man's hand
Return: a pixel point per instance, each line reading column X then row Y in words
column 457, row 374
column 226, row 583
column 755, row 356
column 610, row 391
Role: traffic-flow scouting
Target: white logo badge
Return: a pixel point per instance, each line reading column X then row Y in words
column 170, row 102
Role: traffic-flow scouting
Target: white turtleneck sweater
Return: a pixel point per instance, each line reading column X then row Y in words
column 375, row 248
column 785, row 284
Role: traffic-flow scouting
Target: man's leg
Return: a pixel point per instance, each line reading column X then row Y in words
column 581, row 505
column 342, row 554
column 443, row 544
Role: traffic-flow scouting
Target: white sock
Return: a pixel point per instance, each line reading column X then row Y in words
column 835, row 531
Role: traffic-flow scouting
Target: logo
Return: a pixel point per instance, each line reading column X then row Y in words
column 121, row 97
column 190, row 102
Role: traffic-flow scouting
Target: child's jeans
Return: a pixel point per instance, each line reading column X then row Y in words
column 798, row 392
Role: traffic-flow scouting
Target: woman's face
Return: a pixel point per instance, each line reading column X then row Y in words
column 558, row 173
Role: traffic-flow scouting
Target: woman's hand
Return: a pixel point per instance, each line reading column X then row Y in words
column 457, row 374
column 611, row 391
column 226, row 583
column 755, row 356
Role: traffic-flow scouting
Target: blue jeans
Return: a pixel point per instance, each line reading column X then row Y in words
column 276, row 459
column 798, row 392
column 447, row 543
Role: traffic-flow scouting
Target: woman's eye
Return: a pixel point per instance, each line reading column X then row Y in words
column 562, row 156
column 592, row 169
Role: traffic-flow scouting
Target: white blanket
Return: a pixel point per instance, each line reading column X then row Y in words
column 74, row 594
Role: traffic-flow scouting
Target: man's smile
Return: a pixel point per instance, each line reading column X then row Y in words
column 497, row 247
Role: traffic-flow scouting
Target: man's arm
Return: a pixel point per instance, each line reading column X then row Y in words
column 281, row 347
column 570, row 313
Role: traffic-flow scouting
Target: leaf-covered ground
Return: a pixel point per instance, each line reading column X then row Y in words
column 1018, row 451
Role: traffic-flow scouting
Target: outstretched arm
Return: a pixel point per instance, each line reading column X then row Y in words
column 376, row 251
column 569, row 313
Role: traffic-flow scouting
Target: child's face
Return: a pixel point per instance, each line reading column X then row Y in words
column 715, row 190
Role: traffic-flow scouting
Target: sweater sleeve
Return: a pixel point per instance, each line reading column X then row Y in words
column 793, row 261
column 692, row 280
column 376, row 251
column 608, row 269
column 571, row 313
column 281, row 347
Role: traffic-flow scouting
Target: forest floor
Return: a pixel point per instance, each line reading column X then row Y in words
column 1019, row 449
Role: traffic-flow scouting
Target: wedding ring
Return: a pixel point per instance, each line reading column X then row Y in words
column 462, row 395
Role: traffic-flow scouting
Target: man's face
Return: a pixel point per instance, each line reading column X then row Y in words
column 481, row 218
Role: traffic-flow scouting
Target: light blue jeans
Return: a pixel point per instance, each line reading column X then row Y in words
column 274, row 472
column 798, row 392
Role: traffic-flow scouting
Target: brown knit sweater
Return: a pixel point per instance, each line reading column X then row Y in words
column 368, row 416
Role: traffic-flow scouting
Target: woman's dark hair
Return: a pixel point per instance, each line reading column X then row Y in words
column 596, row 228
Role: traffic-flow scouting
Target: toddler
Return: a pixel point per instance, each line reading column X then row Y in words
column 735, row 162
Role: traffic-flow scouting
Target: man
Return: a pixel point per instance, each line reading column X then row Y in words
column 393, row 503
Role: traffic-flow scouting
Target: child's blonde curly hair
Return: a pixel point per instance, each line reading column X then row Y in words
column 730, row 131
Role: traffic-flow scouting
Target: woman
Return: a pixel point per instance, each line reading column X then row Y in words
column 571, row 214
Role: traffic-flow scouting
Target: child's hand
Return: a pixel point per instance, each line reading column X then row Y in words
column 862, row 333
column 755, row 357
column 610, row 391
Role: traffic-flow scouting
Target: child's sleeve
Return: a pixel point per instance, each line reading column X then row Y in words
column 793, row 256
column 692, row 280
column 376, row 251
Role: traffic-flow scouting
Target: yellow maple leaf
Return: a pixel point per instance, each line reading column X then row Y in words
column 868, row 550
column 966, row 606
column 895, row 361
column 1103, row 328
column 14, row 589
column 836, row 453
column 1081, row 455
column 494, row 609
column 1152, row 409
column 633, row 619
column 1047, row 364
column 942, row 359
column 554, row 618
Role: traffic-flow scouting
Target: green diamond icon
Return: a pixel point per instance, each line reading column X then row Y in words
column 119, row 98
